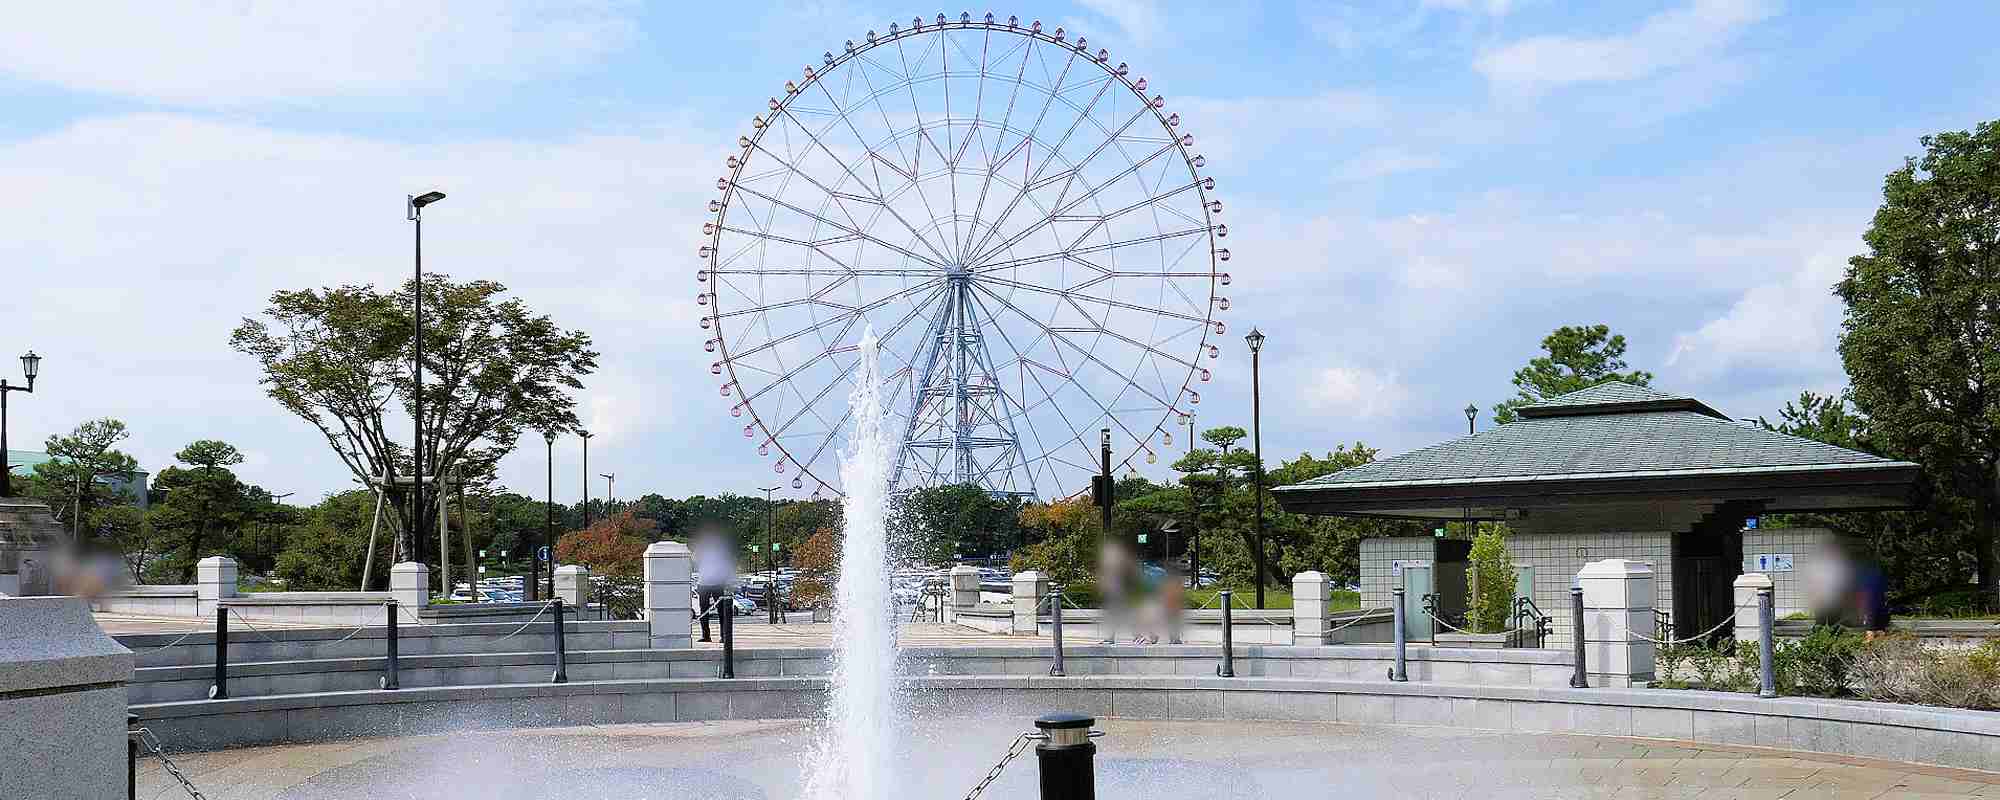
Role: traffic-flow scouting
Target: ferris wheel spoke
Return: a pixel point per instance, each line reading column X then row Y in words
column 1098, row 248
column 1048, row 102
column 1103, row 301
column 852, row 232
column 1082, row 351
column 1055, row 152
column 879, row 199
column 1048, row 396
column 1061, row 213
column 934, row 283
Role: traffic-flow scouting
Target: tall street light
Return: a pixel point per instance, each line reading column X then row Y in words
column 771, row 552
column 1256, row 342
column 534, row 588
column 1194, row 521
column 1471, row 415
column 31, row 365
column 585, row 435
column 415, row 212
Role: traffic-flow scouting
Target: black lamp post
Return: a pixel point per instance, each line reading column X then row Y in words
column 415, row 212
column 31, row 365
column 1471, row 413
column 1256, row 342
column 771, row 553
column 534, row 588
column 585, row 435
column 1194, row 521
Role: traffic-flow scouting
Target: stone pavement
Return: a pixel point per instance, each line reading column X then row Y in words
column 756, row 759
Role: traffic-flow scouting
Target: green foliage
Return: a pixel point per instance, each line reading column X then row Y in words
column 1922, row 306
column 1922, row 551
column 935, row 524
column 324, row 550
column 69, row 482
column 1069, row 534
column 1492, row 575
column 339, row 358
column 1578, row 357
column 1900, row 668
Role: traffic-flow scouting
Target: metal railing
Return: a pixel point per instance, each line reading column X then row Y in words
column 1527, row 614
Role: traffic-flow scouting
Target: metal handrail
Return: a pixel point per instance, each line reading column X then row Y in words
column 1525, row 610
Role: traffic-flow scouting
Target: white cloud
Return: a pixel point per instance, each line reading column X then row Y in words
column 1789, row 325
column 145, row 238
column 1356, row 392
column 243, row 53
column 1139, row 19
column 1382, row 162
column 1664, row 42
column 1491, row 8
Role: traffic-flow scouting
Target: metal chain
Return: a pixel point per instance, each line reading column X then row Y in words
column 152, row 744
column 1014, row 750
column 1670, row 641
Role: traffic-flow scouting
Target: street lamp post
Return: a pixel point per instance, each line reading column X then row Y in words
column 414, row 209
column 1194, row 521
column 534, row 588
column 771, row 553
column 1471, row 416
column 1256, row 342
column 585, row 436
column 31, row 365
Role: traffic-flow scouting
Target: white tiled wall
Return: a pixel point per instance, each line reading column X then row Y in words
column 1557, row 557
column 1377, row 559
column 1804, row 545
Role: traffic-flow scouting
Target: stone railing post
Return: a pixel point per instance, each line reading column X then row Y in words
column 1618, row 600
column 1030, row 588
column 573, row 586
column 964, row 588
column 215, row 579
column 1748, row 625
column 410, row 584
column 669, row 595
column 1309, row 601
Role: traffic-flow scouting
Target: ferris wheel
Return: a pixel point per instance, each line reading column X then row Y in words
column 1020, row 220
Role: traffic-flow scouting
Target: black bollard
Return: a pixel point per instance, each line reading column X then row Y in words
column 1400, row 672
column 132, row 756
column 1067, row 757
column 1228, row 668
column 1767, row 685
column 220, row 690
column 1055, row 621
column 562, row 654
column 389, row 676
column 1581, row 679
column 728, row 637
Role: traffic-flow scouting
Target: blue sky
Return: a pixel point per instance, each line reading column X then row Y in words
column 1417, row 192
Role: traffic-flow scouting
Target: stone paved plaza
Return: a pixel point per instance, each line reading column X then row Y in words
column 750, row 760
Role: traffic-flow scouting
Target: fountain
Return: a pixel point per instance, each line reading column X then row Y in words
column 852, row 758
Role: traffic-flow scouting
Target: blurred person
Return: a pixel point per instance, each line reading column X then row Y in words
column 87, row 571
column 715, row 570
column 1117, row 579
column 1830, row 585
column 1871, row 595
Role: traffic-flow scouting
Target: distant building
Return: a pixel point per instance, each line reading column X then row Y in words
column 131, row 487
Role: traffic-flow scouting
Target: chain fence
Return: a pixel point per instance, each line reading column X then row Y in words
column 151, row 744
column 1019, row 746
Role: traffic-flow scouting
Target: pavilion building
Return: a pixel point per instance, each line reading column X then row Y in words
column 1613, row 471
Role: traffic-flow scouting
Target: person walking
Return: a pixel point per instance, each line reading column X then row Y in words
column 715, row 570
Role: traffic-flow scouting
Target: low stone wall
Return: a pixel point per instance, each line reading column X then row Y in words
column 294, row 644
column 1269, row 626
column 158, row 684
column 165, row 600
column 62, row 701
column 1965, row 739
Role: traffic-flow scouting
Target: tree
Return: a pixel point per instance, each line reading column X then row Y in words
column 71, row 481
column 614, row 548
column 1492, row 576
column 1921, row 334
column 1578, row 357
column 208, row 488
column 818, row 561
column 937, row 524
column 324, row 551
column 1068, row 539
column 339, row 358
column 1923, row 551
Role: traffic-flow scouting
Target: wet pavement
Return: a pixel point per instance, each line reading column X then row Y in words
column 759, row 759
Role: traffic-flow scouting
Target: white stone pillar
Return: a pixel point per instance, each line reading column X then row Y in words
column 1309, row 600
column 573, row 586
column 1030, row 588
column 410, row 585
column 1618, row 598
column 1748, row 624
column 215, row 579
column 669, row 595
column 964, row 588
column 62, row 701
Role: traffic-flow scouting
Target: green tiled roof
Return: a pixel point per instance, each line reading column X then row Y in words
column 1611, row 430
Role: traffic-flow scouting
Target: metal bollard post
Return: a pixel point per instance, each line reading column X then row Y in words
column 1067, row 757
column 390, row 678
column 1228, row 668
column 132, row 757
column 1581, row 679
column 1055, row 621
column 562, row 653
column 220, row 689
column 1401, row 672
column 1767, row 666
column 728, row 637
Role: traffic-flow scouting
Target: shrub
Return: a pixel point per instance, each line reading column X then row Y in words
column 1492, row 584
column 1900, row 668
column 1820, row 664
